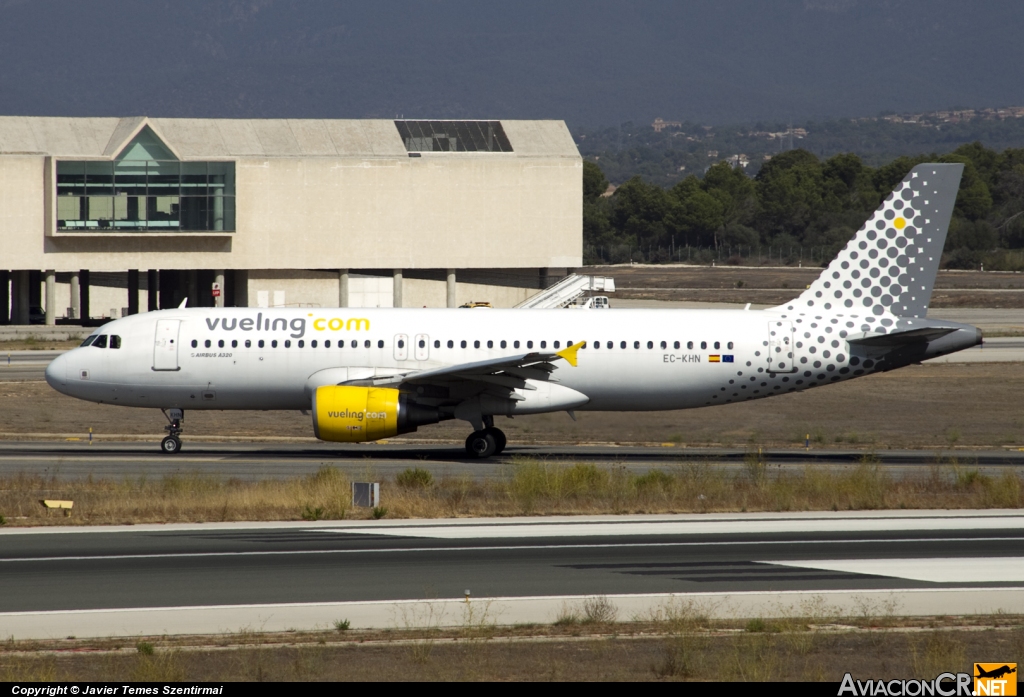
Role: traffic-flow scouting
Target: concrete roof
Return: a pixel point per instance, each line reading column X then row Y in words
column 196, row 139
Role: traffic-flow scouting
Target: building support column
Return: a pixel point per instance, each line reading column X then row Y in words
column 76, row 300
column 545, row 277
column 133, row 291
column 20, row 305
column 452, row 300
column 241, row 293
column 83, row 295
column 51, row 300
column 152, row 290
column 193, row 289
column 342, row 287
column 398, row 289
column 218, row 278
column 5, row 297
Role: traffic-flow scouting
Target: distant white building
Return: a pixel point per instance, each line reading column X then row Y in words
column 102, row 214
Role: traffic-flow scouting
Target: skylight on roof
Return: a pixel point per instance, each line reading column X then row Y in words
column 453, row 136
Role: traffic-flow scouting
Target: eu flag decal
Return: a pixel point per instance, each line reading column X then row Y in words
column 727, row 359
column 714, row 359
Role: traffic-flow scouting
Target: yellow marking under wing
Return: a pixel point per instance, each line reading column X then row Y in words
column 569, row 353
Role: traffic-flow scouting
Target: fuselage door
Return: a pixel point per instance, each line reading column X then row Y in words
column 781, row 347
column 401, row 347
column 422, row 347
column 165, row 345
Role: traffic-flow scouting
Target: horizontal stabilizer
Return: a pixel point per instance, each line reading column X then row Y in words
column 911, row 336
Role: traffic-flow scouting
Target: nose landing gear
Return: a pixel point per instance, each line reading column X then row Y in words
column 171, row 444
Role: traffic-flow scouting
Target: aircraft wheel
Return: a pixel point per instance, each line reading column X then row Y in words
column 171, row 445
column 499, row 439
column 481, row 444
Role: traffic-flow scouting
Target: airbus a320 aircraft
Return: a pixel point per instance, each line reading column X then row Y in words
column 367, row 374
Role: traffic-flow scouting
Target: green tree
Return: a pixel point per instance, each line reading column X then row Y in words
column 594, row 181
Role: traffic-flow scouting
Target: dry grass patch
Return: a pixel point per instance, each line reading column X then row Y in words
column 526, row 487
column 678, row 642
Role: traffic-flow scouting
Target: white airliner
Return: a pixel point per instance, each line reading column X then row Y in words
column 367, row 374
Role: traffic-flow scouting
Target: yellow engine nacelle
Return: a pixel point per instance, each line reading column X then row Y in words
column 354, row 414
column 346, row 414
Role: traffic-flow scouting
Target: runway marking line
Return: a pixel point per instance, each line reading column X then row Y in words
column 513, row 599
column 492, row 548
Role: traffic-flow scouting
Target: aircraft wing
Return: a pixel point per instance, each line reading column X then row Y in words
column 508, row 372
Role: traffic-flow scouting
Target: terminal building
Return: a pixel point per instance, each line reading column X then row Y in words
column 101, row 217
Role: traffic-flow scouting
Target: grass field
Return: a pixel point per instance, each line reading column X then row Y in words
column 928, row 406
column 776, row 285
column 526, row 487
column 678, row 643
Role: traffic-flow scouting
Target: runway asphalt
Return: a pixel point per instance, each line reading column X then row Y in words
column 58, row 570
column 252, row 461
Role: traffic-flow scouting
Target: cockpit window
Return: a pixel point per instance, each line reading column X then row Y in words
column 101, row 341
column 115, row 341
column 89, row 340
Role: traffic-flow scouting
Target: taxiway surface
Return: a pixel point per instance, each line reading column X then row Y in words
column 253, row 461
column 138, row 569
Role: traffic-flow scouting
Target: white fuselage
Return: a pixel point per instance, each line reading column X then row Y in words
column 634, row 360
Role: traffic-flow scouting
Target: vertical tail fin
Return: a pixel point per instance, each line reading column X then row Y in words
column 889, row 266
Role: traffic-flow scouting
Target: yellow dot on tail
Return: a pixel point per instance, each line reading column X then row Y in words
column 900, row 223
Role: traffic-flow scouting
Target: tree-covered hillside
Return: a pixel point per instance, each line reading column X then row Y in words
column 799, row 208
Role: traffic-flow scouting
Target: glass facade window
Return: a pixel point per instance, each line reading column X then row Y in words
column 453, row 136
column 149, row 195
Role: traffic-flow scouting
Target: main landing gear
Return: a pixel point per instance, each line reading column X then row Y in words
column 171, row 444
column 486, row 442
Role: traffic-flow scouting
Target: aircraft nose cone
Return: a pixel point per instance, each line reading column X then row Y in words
column 57, row 373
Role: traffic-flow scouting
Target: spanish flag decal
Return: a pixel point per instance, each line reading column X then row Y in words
column 714, row 359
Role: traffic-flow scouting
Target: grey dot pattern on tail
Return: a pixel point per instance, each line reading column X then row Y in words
column 880, row 282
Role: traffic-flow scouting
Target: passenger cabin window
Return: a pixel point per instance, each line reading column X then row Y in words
column 301, row 343
column 261, row 344
column 675, row 345
column 717, row 345
column 234, row 343
column 380, row 343
column 504, row 343
column 515, row 344
column 557, row 344
column 437, row 343
column 463, row 343
column 543, row 344
column 355, row 344
column 287, row 343
column 729, row 346
column 650, row 344
column 115, row 341
column 220, row 344
column 529, row 344
column 248, row 343
column 401, row 343
column 476, row 344
column 622, row 344
column 689, row 344
column 451, row 344
column 703, row 344
column 312, row 343
column 664, row 345
column 490, row 344
column 273, row 344
column 195, row 343
column 101, row 341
